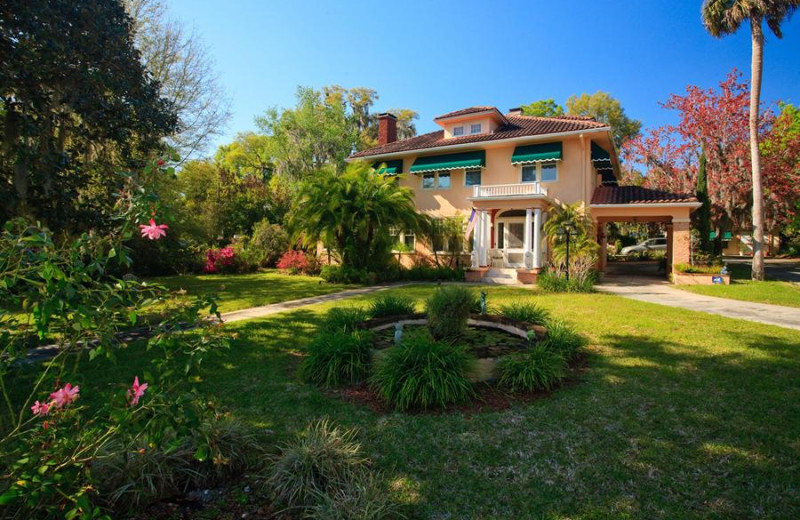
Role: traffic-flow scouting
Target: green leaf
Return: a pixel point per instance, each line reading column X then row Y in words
column 202, row 453
column 132, row 317
column 9, row 496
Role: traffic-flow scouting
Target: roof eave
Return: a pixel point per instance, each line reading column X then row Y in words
column 681, row 204
column 522, row 139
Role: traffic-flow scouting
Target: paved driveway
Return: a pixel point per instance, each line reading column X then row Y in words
column 657, row 290
column 787, row 270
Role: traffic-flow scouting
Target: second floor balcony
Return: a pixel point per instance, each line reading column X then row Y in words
column 509, row 191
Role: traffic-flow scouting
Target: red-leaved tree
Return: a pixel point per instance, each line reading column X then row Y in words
column 716, row 121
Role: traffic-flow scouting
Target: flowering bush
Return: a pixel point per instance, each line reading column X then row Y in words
column 51, row 446
column 221, row 260
column 294, row 262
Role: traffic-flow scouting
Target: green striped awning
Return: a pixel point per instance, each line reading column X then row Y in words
column 536, row 153
column 452, row 161
column 388, row 167
column 601, row 158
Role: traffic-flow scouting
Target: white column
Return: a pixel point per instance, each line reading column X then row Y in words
column 484, row 238
column 526, row 244
column 476, row 241
column 544, row 244
column 537, row 238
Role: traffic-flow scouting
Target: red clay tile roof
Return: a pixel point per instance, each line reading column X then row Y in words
column 465, row 111
column 637, row 195
column 518, row 126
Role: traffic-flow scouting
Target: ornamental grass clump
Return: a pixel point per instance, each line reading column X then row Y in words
column 320, row 462
column 420, row 373
column 448, row 311
column 528, row 312
column 338, row 359
column 343, row 319
column 563, row 339
column 391, row 305
column 537, row 369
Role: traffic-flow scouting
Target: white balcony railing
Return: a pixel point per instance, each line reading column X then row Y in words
column 525, row 189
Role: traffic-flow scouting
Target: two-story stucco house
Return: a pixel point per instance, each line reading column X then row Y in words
column 511, row 170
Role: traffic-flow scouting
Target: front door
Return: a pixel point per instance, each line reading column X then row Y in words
column 511, row 240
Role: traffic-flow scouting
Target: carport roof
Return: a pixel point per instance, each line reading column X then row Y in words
column 608, row 195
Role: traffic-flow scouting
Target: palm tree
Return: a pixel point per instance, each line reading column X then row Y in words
column 353, row 212
column 722, row 17
column 582, row 242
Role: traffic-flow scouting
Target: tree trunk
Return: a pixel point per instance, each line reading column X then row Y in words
column 755, row 157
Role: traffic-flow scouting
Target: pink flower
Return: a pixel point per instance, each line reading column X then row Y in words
column 63, row 396
column 136, row 391
column 40, row 408
column 153, row 231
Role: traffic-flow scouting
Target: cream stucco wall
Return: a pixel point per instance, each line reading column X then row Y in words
column 576, row 178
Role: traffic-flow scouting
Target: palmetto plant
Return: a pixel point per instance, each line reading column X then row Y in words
column 353, row 212
column 722, row 17
column 582, row 243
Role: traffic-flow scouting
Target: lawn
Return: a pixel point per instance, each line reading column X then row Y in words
column 251, row 290
column 678, row 415
column 742, row 288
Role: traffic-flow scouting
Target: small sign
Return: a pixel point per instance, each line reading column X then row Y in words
column 717, row 280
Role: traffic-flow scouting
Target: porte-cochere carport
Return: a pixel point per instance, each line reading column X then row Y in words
column 637, row 204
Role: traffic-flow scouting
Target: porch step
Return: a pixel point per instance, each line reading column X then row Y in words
column 501, row 276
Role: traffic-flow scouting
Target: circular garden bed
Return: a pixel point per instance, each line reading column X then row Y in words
column 453, row 355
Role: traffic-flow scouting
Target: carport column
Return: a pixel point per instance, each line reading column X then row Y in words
column 537, row 238
column 603, row 245
column 526, row 243
column 681, row 241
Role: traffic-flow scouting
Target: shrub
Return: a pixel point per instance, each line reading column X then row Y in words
column 343, row 319
column 420, row 373
column 705, row 269
column 321, row 461
column 293, row 262
column 448, row 311
column 342, row 274
column 553, row 279
column 526, row 311
column 433, row 274
column 221, row 260
column 337, row 359
column 391, row 305
column 538, row 368
column 563, row 339
column 268, row 243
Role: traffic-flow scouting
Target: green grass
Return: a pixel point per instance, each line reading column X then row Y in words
column 742, row 288
column 677, row 415
column 240, row 291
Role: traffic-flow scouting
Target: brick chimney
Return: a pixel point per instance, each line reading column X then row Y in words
column 516, row 111
column 387, row 128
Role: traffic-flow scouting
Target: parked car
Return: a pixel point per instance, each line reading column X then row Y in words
column 651, row 244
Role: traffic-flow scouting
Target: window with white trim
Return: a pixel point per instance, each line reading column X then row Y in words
column 402, row 241
column 475, row 128
column 540, row 172
column 459, row 130
column 472, row 178
column 436, row 180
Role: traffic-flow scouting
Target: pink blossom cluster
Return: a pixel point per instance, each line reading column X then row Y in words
column 67, row 394
column 58, row 399
column 219, row 259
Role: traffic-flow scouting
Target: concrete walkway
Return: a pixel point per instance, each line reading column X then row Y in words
column 267, row 310
column 655, row 290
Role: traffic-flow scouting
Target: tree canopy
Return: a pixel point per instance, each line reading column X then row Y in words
column 76, row 103
column 605, row 109
column 543, row 108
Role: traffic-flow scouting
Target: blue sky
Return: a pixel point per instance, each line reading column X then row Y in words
column 435, row 57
